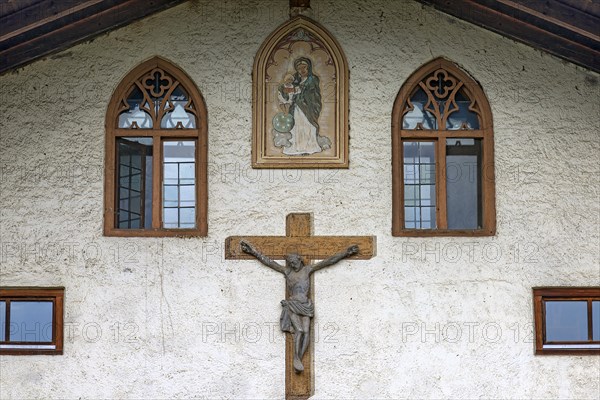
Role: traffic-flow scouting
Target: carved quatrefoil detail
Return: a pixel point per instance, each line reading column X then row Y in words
column 440, row 83
column 157, row 82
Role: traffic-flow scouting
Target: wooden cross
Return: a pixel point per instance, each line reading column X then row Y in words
column 299, row 239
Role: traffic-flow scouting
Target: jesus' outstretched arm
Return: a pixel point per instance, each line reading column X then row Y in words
column 335, row 258
column 249, row 249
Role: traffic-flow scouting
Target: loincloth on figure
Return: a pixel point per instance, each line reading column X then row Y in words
column 306, row 309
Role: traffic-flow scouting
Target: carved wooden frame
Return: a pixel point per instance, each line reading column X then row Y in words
column 280, row 40
column 540, row 295
column 480, row 105
column 199, row 134
column 56, row 296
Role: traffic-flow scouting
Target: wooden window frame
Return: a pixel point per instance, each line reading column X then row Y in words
column 542, row 294
column 159, row 135
column 54, row 294
column 485, row 133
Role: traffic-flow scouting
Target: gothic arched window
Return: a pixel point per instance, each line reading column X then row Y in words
column 442, row 155
column 156, row 155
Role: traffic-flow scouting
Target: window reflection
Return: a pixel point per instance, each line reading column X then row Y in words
column 418, row 118
column 135, row 118
column 463, row 183
column 596, row 320
column 178, row 118
column 2, row 321
column 179, row 184
column 566, row 321
column 134, row 190
column 419, row 185
column 30, row 321
column 463, row 118
column 460, row 118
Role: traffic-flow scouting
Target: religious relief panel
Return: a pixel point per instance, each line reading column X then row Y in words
column 300, row 99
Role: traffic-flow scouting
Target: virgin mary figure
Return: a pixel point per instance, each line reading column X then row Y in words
column 306, row 108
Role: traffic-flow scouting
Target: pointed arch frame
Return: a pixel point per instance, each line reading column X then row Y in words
column 261, row 133
column 485, row 132
column 159, row 135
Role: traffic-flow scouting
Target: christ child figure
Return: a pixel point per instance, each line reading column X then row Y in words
column 286, row 92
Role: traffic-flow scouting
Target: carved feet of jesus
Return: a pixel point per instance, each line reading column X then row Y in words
column 298, row 367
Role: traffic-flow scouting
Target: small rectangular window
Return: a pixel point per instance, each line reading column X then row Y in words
column 567, row 320
column 31, row 320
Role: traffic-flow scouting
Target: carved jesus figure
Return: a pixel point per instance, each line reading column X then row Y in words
column 298, row 309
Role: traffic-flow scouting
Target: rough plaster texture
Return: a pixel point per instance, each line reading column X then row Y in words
column 426, row 318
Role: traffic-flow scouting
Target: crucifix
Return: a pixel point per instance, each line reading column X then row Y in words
column 298, row 248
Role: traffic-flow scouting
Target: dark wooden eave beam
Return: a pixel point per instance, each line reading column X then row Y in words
column 569, row 29
column 44, row 27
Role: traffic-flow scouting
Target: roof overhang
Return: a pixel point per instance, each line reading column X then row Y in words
column 569, row 29
column 31, row 29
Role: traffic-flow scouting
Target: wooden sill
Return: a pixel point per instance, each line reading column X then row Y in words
column 202, row 232
column 442, row 232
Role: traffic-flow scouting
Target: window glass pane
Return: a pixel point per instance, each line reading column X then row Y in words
column 171, row 196
column 181, row 151
column 427, row 195
column 123, row 218
column 171, row 217
column 410, row 152
column 187, row 174
column 30, row 321
column 411, row 195
column 135, row 203
column 136, row 180
column 566, row 321
column 410, row 219
column 171, row 174
column 463, row 118
column 179, row 171
column 187, row 217
column 178, row 117
column 595, row 320
column 426, row 173
column 463, row 183
column 411, row 174
column 134, row 210
column 136, row 116
column 2, row 320
column 187, row 196
column 427, row 217
column 427, row 153
column 419, row 185
column 418, row 117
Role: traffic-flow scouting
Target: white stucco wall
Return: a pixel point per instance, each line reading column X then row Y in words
column 426, row 318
